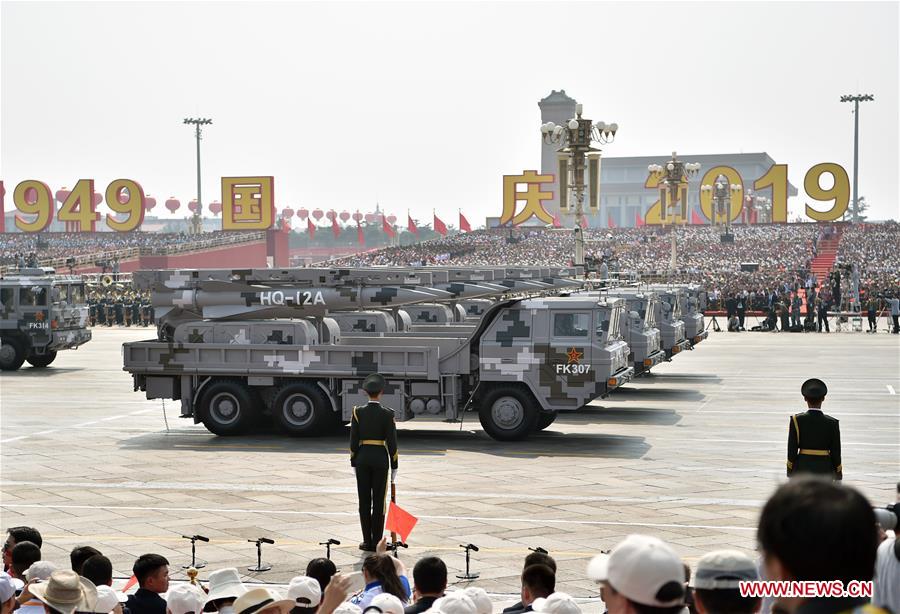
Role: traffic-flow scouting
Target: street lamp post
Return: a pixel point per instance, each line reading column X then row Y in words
column 672, row 177
column 722, row 194
column 197, row 220
column 856, row 99
column 575, row 155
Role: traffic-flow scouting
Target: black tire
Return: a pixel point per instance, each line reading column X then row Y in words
column 303, row 410
column 12, row 355
column 42, row 360
column 227, row 408
column 508, row 413
column 545, row 419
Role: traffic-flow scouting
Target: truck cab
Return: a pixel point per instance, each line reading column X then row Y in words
column 686, row 309
column 40, row 314
column 638, row 326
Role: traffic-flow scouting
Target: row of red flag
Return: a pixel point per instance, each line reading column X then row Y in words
column 439, row 227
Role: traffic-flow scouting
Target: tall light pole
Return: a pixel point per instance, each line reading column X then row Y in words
column 856, row 99
column 722, row 193
column 672, row 179
column 575, row 140
column 197, row 220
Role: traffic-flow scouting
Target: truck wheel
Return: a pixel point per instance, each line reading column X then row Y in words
column 42, row 360
column 227, row 408
column 11, row 355
column 508, row 414
column 302, row 410
column 545, row 419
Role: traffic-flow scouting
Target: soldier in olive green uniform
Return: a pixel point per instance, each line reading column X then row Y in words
column 373, row 450
column 814, row 439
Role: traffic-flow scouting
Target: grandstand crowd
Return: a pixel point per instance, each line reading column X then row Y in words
column 810, row 529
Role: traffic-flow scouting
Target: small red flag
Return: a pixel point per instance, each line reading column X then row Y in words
column 360, row 237
column 583, row 223
column 556, row 222
column 400, row 521
column 310, row 227
column 639, row 221
column 439, row 226
column 695, row 219
column 609, row 222
column 131, row 582
column 387, row 228
column 464, row 223
column 335, row 229
column 411, row 225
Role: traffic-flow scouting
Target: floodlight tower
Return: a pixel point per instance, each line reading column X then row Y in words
column 856, row 99
column 197, row 220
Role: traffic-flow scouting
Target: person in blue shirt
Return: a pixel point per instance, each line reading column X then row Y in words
column 383, row 574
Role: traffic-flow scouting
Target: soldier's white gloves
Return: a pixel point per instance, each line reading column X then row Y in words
column 393, row 476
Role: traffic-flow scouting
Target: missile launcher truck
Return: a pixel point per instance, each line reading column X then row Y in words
column 236, row 344
column 638, row 327
column 41, row 313
column 691, row 302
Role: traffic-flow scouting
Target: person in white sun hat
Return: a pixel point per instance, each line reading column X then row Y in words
column 557, row 603
column 225, row 587
column 641, row 575
column 185, row 599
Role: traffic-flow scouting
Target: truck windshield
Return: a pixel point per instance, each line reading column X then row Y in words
column 76, row 294
column 614, row 324
column 571, row 324
column 36, row 296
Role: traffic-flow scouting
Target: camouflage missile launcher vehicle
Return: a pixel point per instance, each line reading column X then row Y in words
column 691, row 302
column 234, row 345
column 40, row 314
column 638, row 327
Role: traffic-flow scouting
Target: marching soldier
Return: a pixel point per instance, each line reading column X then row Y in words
column 814, row 438
column 373, row 450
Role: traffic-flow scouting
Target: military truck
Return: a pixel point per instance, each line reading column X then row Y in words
column 691, row 302
column 235, row 345
column 41, row 314
column 638, row 326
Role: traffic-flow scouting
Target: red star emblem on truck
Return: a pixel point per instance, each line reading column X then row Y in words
column 39, row 316
column 575, row 356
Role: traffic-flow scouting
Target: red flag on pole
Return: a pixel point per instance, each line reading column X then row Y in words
column 583, row 223
column 400, row 521
column 439, row 226
column 464, row 223
column 131, row 582
column 310, row 227
column 360, row 237
column 335, row 229
column 609, row 221
column 556, row 222
column 695, row 219
column 639, row 221
column 411, row 225
column 387, row 228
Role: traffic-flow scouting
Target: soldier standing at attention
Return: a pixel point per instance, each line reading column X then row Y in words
column 814, row 439
column 373, row 450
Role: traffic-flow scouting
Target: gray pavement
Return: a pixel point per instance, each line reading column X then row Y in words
column 688, row 454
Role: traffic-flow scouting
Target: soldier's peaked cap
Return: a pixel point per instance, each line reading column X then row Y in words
column 374, row 383
column 814, row 389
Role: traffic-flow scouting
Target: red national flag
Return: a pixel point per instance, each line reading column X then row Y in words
column 695, row 219
column 400, row 521
column 131, row 582
column 639, row 221
column 583, row 223
column 439, row 226
column 310, row 227
column 360, row 237
column 387, row 228
column 556, row 222
column 335, row 229
column 411, row 225
column 609, row 222
column 464, row 223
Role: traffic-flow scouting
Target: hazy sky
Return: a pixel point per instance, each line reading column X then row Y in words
column 426, row 105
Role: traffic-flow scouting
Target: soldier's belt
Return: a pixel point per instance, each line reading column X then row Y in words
column 809, row 452
column 372, row 442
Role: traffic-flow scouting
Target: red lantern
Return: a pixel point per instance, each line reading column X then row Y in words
column 357, row 217
column 215, row 207
column 149, row 202
column 370, row 217
column 62, row 194
column 193, row 205
column 97, row 199
column 317, row 214
column 331, row 215
column 287, row 213
column 391, row 219
column 173, row 204
column 345, row 216
column 302, row 213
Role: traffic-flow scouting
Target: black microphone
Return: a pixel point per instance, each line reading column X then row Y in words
column 334, row 541
column 539, row 550
column 201, row 538
column 263, row 540
column 469, row 547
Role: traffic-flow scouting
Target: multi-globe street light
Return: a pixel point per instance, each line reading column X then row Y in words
column 722, row 194
column 576, row 156
column 672, row 179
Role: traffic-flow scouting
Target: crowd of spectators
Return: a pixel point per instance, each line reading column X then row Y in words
column 810, row 530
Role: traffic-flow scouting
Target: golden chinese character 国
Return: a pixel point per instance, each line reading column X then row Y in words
column 248, row 203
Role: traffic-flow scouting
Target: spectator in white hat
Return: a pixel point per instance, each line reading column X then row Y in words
column 108, row 601
column 38, row 572
column 185, row 599
column 479, row 596
column 65, row 592
column 387, row 604
column 7, row 593
column 347, row 608
column 262, row 601
column 306, row 594
column 717, row 583
column 456, row 602
column 557, row 603
column 225, row 587
column 642, row 575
